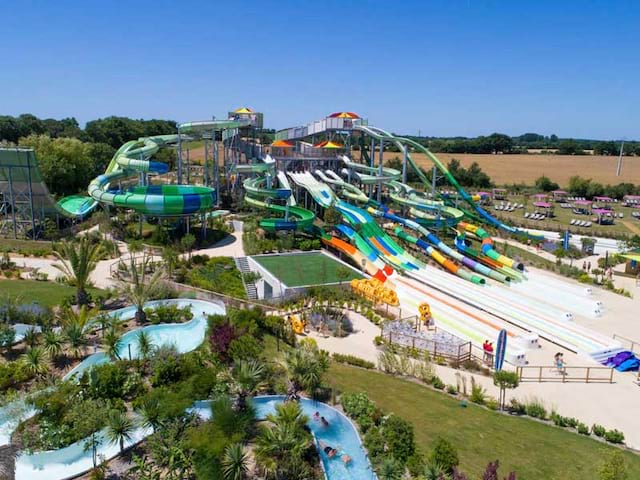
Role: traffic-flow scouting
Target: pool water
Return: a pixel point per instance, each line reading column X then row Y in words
column 340, row 434
column 184, row 336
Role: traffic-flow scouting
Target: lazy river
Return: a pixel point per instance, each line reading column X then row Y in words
column 75, row 459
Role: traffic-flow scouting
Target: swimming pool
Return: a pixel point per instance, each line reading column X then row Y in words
column 185, row 336
column 340, row 434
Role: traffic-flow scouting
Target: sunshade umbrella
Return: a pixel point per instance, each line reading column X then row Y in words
column 344, row 115
column 244, row 110
column 282, row 144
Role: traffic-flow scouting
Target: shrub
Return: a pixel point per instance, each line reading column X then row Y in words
column 583, row 429
column 492, row 403
column 452, row 389
column 614, row 436
column 598, row 430
column 445, row 454
column 378, row 340
column 415, row 464
column 437, row 382
column 359, row 407
column 536, row 409
column 169, row 314
column 399, row 437
column 244, row 348
column 374, row 443
column 478, row 393
column 353, row 360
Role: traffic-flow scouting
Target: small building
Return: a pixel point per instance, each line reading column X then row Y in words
column 582, row 207
column 559, row 195
column 632, row 266
column 545, row 208
column 499, row 193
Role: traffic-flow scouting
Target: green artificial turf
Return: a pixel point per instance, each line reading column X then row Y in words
column 296, row 270
column 533, row 450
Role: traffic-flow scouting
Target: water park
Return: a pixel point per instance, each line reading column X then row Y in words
column 234, row 302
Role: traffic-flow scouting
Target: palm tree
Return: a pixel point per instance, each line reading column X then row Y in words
column 141, row 286
column 78, row 260
column 235, row 462
column 305, row 367
column 145, row 346
column 170, row 259
column 31, row 337
column 36, row 362
column 53, row 343
column 280, row 448
column 81, row 317
column 111, row 342
column 149, row 411
column 435, row 471
column 119, row 428
column 249, row 379
column 76, row 339
column 390, row 469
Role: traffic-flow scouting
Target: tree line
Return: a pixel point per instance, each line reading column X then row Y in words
column 113, row 131
column 501, row 143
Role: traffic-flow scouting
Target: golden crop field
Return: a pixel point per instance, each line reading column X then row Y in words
column 508, row 169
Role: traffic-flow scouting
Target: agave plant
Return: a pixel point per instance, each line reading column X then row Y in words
column 141, row 285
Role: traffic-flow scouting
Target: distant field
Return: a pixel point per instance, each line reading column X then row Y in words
column 508, row 169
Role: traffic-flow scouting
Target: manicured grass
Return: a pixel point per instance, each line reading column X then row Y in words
column 533, row 450
column 295, row 270
column 46, row 294
column 26, row 247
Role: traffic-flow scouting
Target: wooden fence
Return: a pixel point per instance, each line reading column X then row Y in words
column 546, row 373
column 632, row 345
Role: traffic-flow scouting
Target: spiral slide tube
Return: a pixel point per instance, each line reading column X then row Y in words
column 156, row 200
column 506, row 305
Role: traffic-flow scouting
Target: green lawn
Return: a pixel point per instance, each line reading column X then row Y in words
column 563, row 217
column 295, row 270
column 46, row 294
column 27, row 247
column 533, row 450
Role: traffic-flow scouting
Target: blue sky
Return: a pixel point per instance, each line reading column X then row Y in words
column 444, row 67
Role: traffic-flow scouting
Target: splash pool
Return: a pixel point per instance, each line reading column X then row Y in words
column 340, row 434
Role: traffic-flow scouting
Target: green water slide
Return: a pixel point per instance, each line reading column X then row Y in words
column 259, row 193
column 477, row 213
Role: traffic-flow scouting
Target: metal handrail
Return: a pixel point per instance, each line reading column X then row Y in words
column 550, row 373
column 633, row 343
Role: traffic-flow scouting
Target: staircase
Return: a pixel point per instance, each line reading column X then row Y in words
column 250, row 287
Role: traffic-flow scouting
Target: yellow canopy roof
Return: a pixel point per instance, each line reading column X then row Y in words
column 328, row 144
column 243, row 110
column 344, row 115
column 282, row 144
column 632, row 256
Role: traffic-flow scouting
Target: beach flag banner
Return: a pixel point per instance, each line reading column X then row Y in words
column 501, row 349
